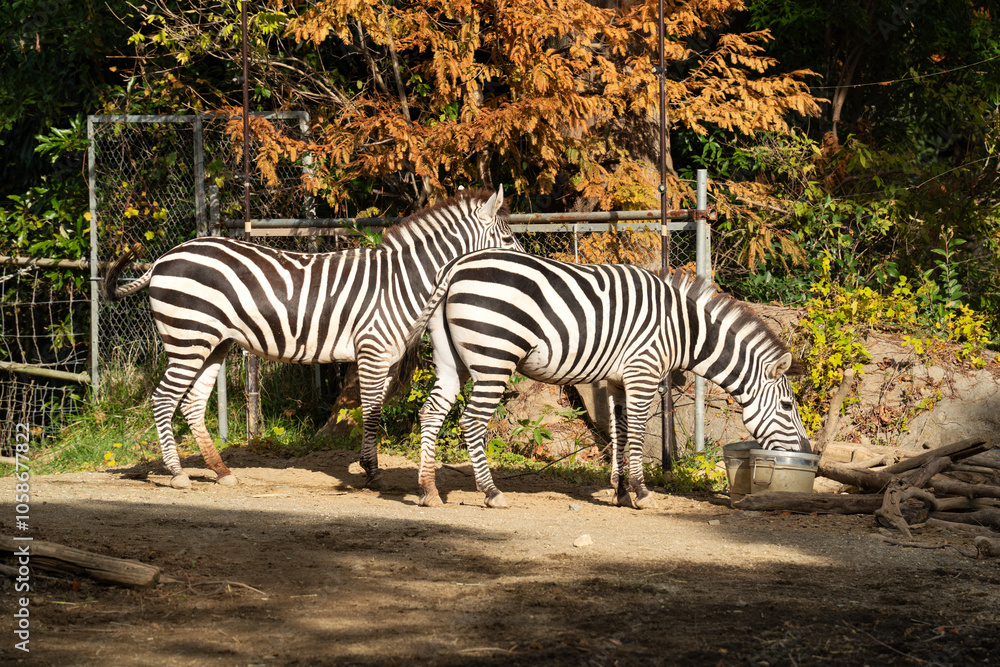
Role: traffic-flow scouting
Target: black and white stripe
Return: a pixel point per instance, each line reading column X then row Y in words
column 496, row 312
column 308, row 308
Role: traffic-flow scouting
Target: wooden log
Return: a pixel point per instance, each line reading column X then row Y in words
column 953, row 503
column 971, row 477
column 60, row 558
column 990, row 518
column 956, row 450
column 942, row 484
column 934, row 522
column 990, row 459
column 832, row 423
column 867, row 480
column 891, row 514
column 928, row 470
column 828, row 503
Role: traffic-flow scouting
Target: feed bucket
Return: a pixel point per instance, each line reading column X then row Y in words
column 777, row 470
column 737, row 459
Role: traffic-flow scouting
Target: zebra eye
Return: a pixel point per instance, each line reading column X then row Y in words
column 786, row 405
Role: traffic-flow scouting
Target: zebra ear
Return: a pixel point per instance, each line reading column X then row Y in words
column 779, row 367
column 494, row 204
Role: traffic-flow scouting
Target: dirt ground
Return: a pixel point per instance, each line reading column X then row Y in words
column 352, row 577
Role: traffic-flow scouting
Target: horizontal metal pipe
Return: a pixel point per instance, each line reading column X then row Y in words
column 133, row 118
column 47, row 263
column 515, row 218
column 82, row 378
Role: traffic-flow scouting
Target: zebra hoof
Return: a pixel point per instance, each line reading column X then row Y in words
column 622, row 499
column 429, row 500
column 497, row 501
column 181, row 481
column 228, row 480
column 645, row 501
column 374, row 482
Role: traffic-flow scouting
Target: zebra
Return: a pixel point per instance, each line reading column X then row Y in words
column 496, row 312
column 308, row 308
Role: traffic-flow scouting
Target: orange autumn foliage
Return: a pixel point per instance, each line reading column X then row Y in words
column 427, row 95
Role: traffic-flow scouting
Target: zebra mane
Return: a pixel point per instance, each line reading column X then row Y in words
column 417, row 220
column 720, row 304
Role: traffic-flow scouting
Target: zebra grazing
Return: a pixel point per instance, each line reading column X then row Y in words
column 308, row 308
column 497, row 312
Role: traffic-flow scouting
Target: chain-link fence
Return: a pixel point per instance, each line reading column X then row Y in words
column 43, row 345
column 158, row 181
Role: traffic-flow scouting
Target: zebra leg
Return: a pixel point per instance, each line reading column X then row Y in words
column 373, row 381
column 432, row 416
column 167, row 395
column 619, row 431
column 447, row 383
column 483, row 402
column 638, row 401
column 193, row 408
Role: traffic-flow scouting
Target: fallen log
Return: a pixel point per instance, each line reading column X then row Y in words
column 933, row 522
column 971, row 477
column 982, row 470
column 928, row 470
column 69, row 560
column 956, row 450
column 893, row 513
column 942, row 484
column 990, row 459
column 823, row 503
column 867, row 480
column 989, row 518
column 952, row 503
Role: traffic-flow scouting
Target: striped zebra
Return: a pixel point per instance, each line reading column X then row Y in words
column 308, row 308
column 498, row 312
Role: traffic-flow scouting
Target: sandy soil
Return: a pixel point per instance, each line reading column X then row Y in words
column 349, row 576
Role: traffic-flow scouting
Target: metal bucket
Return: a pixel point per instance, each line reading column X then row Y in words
column 736, row 456
column 777, row 470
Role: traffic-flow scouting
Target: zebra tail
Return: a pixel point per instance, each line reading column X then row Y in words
column 420, row 325
column 418, row 328
column 112, row 291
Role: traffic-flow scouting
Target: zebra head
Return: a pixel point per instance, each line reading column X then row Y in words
column 770, row 412
column 493, row 215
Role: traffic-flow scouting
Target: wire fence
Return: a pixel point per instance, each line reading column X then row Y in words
column 156, row 181
column 43, row 347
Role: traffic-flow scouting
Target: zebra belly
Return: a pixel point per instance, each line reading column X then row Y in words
column 197, row 306
column 506, row 326
column 540, row 366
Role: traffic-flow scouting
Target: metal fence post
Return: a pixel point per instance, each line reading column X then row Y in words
column 95, row 305
column 253, row 375
column 666, row 388
column 703, row 267
column 220, row 382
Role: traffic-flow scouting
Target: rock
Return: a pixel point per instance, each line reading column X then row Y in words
column 826, row 485
column 583, row 541
column 551, row 407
